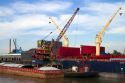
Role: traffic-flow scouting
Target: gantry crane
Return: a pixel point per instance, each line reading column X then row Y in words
column 65, row 38
column 67, row 25
column 100, row 35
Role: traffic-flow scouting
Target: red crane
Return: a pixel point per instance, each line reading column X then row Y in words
column 67, row 25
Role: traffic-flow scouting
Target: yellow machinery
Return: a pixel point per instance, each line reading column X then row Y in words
column 65, row 39
column 99, row 36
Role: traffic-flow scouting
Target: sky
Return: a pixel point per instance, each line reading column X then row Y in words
column 28, row 21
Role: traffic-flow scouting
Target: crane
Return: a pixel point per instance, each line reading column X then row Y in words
column 47, row 35
column 41, row 43
column 15, row 43
column 65, row 39
column 100, row 35
column 16, row 50
column 67, row 25
column 56, row 44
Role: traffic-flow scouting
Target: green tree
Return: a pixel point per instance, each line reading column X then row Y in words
column 115, row 52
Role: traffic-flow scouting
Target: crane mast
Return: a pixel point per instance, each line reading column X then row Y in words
column 100, row 35
column 65, row 39
column 67, row 25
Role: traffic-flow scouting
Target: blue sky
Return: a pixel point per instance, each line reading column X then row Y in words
column 28, row 21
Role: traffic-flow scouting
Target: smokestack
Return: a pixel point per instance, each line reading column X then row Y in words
column 10, row 46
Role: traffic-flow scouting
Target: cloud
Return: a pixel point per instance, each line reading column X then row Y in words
column 51, row 6
column 5, row 11
column 115, row 45
column 118, row 30
column 36, row 7
column 22, row 23
column 102, row 8
column 76, row 32
column 34, row 20
column 97, row 14
column 18, row 17
column 40, row 32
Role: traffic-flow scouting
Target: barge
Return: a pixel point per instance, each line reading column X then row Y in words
column 44, row 72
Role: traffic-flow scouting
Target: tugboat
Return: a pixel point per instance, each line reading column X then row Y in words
column 79, row 72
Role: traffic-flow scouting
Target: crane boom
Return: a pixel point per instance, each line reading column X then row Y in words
column 100, row 35
column 47, row 35
column 67, row 25
column 65, row 39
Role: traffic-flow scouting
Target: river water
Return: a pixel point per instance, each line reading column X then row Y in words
column 4, row 78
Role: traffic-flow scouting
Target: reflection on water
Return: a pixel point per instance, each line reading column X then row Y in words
column 4, row 78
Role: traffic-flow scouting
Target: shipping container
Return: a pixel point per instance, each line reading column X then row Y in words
column 70, row 52
column 90, row 50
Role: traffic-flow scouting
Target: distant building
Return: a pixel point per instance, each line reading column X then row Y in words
column 15, row 58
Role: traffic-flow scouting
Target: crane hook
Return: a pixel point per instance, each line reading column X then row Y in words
column 120, row 14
